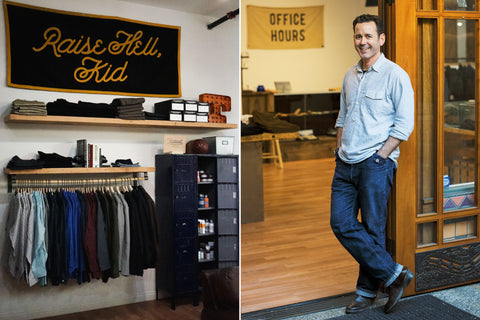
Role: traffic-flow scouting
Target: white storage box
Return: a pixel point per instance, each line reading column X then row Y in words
column 190, row 116
column 220, row 145
column 203, row 107
column 176, row 116
column 202, row 117
column 191, row 105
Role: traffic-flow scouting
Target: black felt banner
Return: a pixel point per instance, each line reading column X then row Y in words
column 74, row 52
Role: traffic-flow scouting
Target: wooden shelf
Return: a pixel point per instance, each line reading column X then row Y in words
column 113, row 122
column 465, row 132
column 80, row 170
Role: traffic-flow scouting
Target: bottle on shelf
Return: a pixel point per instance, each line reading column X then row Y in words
column 206, row 201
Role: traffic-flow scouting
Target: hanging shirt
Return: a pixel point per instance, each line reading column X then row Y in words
column 39, row 262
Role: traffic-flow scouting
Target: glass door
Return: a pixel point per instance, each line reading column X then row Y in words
column 443, row 151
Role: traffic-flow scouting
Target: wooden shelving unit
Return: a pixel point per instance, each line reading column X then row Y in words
column 113, row 122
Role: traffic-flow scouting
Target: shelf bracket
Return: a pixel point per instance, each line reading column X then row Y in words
column 9, row 182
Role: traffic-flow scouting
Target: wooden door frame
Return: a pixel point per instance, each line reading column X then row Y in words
column 403, row 198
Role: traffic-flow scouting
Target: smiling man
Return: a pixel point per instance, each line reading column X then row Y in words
column 376, row 115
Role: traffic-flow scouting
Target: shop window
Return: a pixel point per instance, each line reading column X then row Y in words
column 426, row 115
column 426, row 234
column 427, row 4
column 459, row 229
column 460, row 5
column 459, row 115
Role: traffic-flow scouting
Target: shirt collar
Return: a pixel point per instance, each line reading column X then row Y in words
column 376, row 66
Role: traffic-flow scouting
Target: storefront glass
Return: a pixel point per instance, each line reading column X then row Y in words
column 426, row 114
column 459, row 115
column 460, row 5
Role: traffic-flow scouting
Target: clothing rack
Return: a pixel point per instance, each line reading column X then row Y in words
column 76, row 177
column 73, row 183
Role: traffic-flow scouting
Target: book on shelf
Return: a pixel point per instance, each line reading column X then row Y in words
column 89, row 153
column 82, row 151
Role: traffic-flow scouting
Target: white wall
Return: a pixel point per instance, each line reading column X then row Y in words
column 308, row 70
column 209, row 64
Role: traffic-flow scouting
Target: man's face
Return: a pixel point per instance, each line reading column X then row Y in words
column 366, row 40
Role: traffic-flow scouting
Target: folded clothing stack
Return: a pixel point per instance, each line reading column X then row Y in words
column 124, row 163
column 20, row 164
column 29, row 107
column 62, row 107
column 129, row 108
column 54, row 160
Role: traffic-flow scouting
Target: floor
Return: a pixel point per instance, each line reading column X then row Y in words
column 292, row 256
column 153, row 309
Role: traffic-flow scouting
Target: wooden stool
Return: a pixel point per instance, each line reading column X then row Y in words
column 274, row 139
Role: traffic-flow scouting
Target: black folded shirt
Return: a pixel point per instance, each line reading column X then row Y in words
column 62, row 107
column 20, row 164
column 54, row 160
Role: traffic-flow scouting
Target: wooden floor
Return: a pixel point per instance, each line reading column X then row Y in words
column 156, row 309
column 293, row 256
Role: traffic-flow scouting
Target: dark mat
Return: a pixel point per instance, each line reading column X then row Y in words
column 421, row 307
column 301, row 308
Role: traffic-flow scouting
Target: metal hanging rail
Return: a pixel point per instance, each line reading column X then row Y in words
column 75, row 177
column 16, row 184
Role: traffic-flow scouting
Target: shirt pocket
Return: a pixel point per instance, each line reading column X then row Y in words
column 375, row 102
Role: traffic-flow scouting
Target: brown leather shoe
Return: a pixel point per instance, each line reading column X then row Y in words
column 359, row 304
column 395, row 290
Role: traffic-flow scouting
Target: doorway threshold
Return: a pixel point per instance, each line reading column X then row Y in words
column 301, row 308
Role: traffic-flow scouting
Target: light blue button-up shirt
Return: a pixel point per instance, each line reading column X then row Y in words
column 374, row 105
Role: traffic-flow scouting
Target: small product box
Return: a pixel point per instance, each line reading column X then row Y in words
column 169, row 106
column 220, row 145
column 202, row 116
column 190, row 116
column 191, row 105
column 446, row 181
column 176, row 116
column 203, row 107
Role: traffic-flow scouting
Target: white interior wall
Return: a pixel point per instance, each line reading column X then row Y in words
column 209, row 64
column 308, row 70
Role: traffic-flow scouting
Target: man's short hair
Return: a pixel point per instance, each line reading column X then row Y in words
column 367, row 18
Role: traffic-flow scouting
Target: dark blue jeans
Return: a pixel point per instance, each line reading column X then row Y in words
column 364, row 186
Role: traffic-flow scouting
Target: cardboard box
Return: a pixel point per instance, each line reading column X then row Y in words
column 165, row 107
column 220, row 145
column 203, row 107
column 202, row 117
column 176, row 116
column 191, row 105
column 189, row 116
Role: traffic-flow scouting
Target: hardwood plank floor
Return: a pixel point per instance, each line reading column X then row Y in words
column 293, row 256
column 154, row 309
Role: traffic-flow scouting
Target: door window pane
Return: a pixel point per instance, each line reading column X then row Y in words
column 426, row 234
column 427, row 4
column 460, row 5
column 426, row 114
column 459, row 229
column 459, row 115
